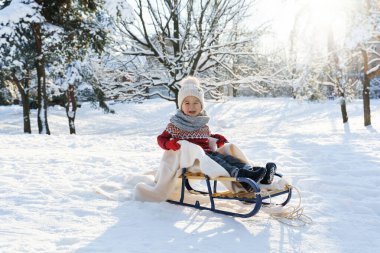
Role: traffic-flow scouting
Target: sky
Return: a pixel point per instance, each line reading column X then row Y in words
column 50, row 186
column 313, row 18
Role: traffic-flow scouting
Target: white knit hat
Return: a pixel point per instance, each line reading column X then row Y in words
column 190, row 86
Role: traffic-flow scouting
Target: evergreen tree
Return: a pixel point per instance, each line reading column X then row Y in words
column 17, row 53
column 62, row 32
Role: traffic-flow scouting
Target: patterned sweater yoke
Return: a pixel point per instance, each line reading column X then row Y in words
column 201, row 133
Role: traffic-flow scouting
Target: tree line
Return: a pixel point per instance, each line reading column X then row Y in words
column 140, row 49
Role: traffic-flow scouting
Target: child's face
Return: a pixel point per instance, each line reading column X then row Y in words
column 191, row 106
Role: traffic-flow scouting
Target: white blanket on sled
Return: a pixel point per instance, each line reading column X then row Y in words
column 189, row 156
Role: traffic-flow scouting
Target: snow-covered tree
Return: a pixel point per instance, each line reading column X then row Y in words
column 84, row 75
column 62, row 31
column 365, row 38
column 371, row 56
column 70, row 28
column 72, row 79
column 164, row 41
column 17, row 48
column 337, row 75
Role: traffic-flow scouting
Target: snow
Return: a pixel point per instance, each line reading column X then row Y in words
column 49, row 203
column 17, row 11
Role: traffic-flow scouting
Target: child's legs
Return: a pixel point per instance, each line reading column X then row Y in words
column 220, row 159
column 236, row 162
column 236, row 168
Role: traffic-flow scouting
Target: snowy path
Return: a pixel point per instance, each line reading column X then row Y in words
column 48, row 201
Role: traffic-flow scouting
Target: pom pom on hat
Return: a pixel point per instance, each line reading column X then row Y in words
column 190, row 86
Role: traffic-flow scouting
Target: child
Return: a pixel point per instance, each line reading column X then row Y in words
column 190, row 123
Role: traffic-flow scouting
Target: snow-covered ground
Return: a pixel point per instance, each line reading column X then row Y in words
column 48, row 199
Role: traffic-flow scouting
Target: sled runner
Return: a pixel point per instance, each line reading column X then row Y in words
column 249, row 200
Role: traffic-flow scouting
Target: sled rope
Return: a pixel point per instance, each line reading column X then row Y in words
column 290, row 215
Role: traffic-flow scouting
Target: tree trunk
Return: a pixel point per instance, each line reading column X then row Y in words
column 366, row 84
column 176, row 98
column 343, row 110
column 102, row 100
column 25, row 106
column 71, row 108
column 366, row 101
column 26, row 114
column 24, row 92
column 43, row 126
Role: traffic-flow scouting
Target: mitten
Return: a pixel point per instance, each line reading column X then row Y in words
column 221, row 140
column 172, row 144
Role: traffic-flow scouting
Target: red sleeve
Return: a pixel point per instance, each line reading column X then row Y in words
column 219, row 137
column 163, row 138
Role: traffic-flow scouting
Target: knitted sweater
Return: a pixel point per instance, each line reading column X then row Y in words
column 199, row 137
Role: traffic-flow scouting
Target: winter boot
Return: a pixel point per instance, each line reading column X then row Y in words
column 269, row 175
column 256, row 176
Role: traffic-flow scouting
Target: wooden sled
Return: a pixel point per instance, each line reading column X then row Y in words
column 254, row 200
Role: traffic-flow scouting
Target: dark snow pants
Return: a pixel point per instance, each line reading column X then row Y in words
column 229, row 163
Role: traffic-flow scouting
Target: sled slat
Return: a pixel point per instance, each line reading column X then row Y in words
column 228, row 194
column 249, row 195
column 200, row 176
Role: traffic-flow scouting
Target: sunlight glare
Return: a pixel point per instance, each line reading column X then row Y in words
column 326, row 15
column 311, row 21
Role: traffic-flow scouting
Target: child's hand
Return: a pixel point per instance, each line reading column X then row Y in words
column 221, row 140
column 172, row 145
